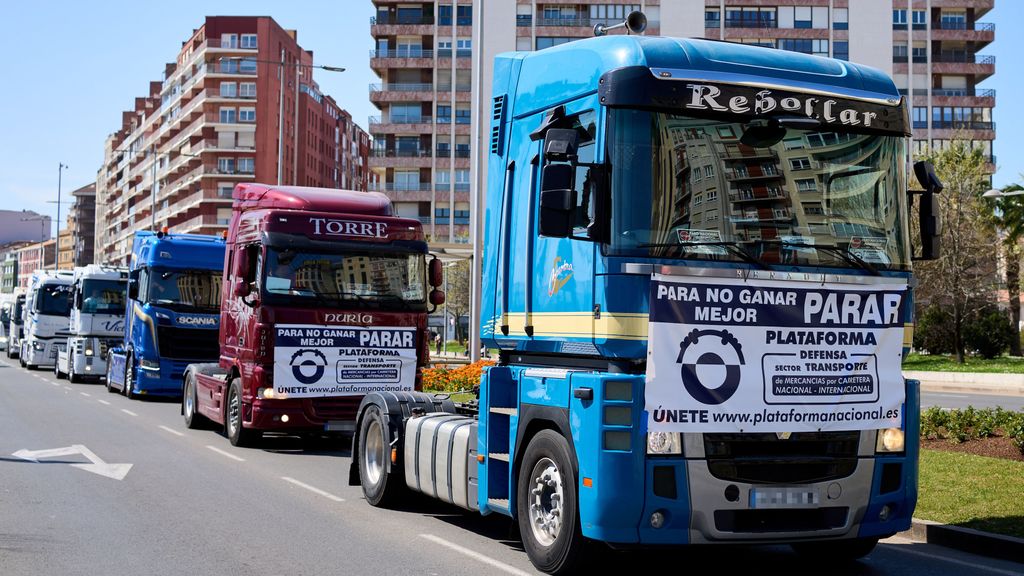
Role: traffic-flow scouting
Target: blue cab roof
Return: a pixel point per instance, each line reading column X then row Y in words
column 194, row 251
column 580, row 64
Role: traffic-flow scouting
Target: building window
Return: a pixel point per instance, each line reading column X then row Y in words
column 246, row 114
column 228, row 89
column 813, row 208
column 249, row 41
column 444, row 114
column 712, row 18
column 224, row 189
column 228, row 116
column 247, row 66
column 698, row 199
column 899, row 19
column 711, row 215
column 799, row 163
column 806, row 185
column 226, row 165
column 549, row 41
column 610, row 14
column 444, row 15
column 462, row 115
column 711, row 195
column 247, row 90
column 841, row 50
column 841, row 19
column 464, row 15
column 802, row 17
column 246, row 165
column 229, row 40
column 919, row 19
column 709, row 171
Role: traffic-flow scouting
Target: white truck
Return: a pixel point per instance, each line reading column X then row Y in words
column 97, row 321
column 47, row 311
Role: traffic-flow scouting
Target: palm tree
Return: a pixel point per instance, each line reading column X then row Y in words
column 1008, row 215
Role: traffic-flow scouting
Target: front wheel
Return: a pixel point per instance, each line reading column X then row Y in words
column 238, row 435
column 836, row 550
column 546, row 504
column 381, row 486
column 189, row 404
column 129, row 378
column 110, row 372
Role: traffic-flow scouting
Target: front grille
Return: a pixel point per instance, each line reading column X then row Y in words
column 782, row 520
column 340, row 408
column 765, row 458
column 188, row 343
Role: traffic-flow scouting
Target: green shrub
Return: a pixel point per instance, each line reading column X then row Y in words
column 985, row 423
column 957, row 427
column 1015, row 430
column 933, row 331
column 932, row 421
column 988, row 334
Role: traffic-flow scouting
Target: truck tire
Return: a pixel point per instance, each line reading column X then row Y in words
column 836, row 550
column 110, row 371
column 549, row 520
column 381, row 486
column 190, row 404
column 56, row 370
column 237, row 434
column 72, row 377
column 129, row 378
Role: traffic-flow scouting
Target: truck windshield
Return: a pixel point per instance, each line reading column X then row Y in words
column 198, row 289
column 19, row 307
column 693, row 188
column 54, row 300
column 103, row 296
column 381, row 280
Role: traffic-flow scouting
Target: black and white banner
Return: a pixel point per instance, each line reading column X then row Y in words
column 314, row 361
column 773, row 356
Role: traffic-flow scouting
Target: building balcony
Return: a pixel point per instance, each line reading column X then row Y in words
column 400, row 152
column 386, row 59
column 391, row 20
column 984, row 98
column 230, row 68
column 766, row 196
column 227, row 171
column 980, row 33
column 747, row 23
column 447, row 153
column 198, row 223
column 398, row 187
column 401, row 125
column 401, row 92
column 742, row 175
column 218, row 45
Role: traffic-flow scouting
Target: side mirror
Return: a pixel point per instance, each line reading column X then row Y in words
column 931, row 227
column 239, row 288
column 926, row 175
column 133, row 287
column 242, row 263
column 436, row 273
column 436, row 299
column 557, row 200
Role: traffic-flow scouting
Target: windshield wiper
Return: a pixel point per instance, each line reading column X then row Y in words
column 843, row 253
column 733, row 248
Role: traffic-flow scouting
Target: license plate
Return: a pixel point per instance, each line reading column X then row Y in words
column 784, row 498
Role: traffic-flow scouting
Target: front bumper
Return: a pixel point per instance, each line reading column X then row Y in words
column 310, row 414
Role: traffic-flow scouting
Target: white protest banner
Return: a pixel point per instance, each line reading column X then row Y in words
column 773, row 356
column 315, row 361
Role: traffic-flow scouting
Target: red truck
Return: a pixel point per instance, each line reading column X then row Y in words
column 324, row 298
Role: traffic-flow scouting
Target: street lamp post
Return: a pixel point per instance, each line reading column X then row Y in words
column 993, row 193
column 56, row 249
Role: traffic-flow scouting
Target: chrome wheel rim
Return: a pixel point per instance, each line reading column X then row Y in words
column 546, row 502
column 373, row 453
column 189, row 402
column 234, row 414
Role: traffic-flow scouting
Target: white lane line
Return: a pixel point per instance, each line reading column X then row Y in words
column 933, row 556
column 104, row 402
column 951, row 395
column 475, row 555
column 87, row 395
column 313, row 489
column 55, row 383
column 171, row 430
column 69, row 388
column 228, row 454
column 128, row 412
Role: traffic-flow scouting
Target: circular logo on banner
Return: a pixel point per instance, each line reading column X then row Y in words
column 308, row 365
column 711, row 361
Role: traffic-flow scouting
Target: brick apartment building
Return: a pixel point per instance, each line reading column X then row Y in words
column 82, row 223
column 213, row 121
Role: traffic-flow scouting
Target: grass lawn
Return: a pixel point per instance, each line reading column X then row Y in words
column 972, row 491
column 940, row 363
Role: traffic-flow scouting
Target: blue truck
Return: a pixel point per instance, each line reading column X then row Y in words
column 697, row 271
column 172, row 313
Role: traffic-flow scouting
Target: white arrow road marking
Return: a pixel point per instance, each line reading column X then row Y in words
column 98, row 466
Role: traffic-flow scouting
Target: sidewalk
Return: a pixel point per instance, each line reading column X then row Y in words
column 966, row 540
column 977, row 382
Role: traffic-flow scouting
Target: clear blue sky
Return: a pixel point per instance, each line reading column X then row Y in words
column 71, row 67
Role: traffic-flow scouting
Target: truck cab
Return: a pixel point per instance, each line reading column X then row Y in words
column 324, row 297
column 47, row 318
column 172, row 312
column 97, row 321
column 15, row 326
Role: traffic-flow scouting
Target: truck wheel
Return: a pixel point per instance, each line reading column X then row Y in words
column 129, row 378
column 836, row 550
column 56, row 370
column 546, row 504
column 381, row 487
column 238, row 435
column 110, row 372
column 189, row 403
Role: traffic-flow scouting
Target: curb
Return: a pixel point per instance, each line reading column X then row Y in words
column 970, row 382
column 966, row 540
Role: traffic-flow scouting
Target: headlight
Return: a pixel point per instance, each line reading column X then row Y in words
column 149, row 364
column 162, row 316
column 88, row 352
column 664, row 443
column 890, row 440
column 38, row 346
column 266, row 393
column 3, row 338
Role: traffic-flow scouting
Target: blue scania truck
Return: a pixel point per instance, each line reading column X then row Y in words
column 172, row 313
column 697, row 270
